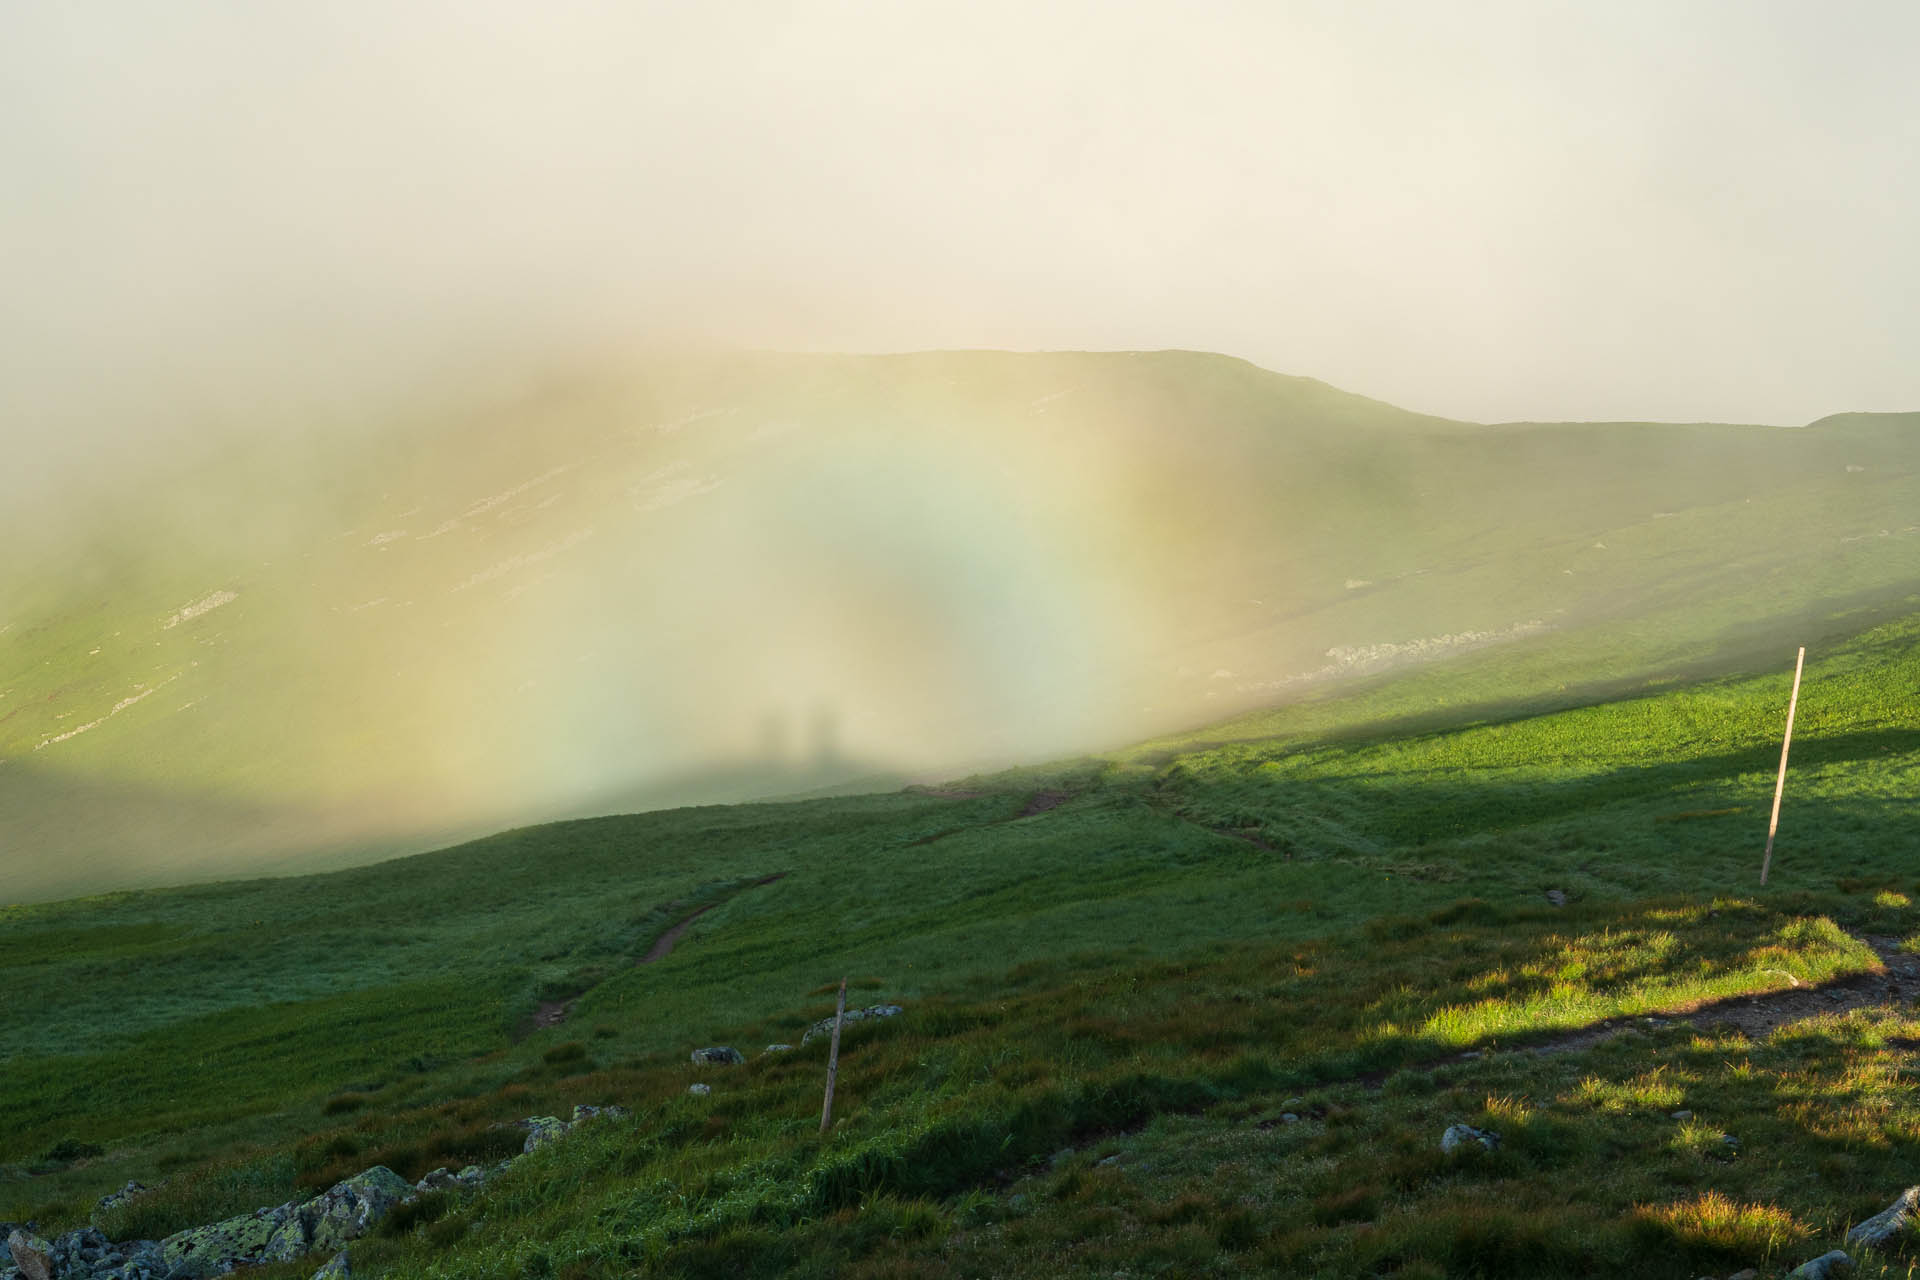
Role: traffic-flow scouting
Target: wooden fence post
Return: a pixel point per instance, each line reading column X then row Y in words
column 833, row 1058
column 1780, row 784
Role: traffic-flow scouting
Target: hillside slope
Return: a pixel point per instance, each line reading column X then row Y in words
column 1120, row 978
column 781, row 571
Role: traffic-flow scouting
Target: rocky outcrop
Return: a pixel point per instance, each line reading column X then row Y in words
column 326, row 1223
column 219, row 1247
column 542, row 1130
column 824, row 1027
column 85, row 1254
column 341, row 1214
column 1889, row 1224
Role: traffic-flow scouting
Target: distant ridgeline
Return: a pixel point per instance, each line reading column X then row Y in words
column 303, row 652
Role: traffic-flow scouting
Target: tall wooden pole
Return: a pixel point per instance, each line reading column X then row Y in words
column 833, row 1058
column 1780, row 784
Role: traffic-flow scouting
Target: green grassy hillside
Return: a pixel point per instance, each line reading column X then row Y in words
column 310, row 650
column 1122, row 975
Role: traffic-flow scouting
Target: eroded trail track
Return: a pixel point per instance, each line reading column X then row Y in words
column 554, row 1012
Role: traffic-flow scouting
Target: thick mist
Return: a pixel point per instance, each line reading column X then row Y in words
column 1496, row 211
column 421, row 343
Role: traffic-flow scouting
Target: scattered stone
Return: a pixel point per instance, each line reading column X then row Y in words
column 1109, row 1162
column 699, row 1090
column 583, row 1113
column 541, row 1130
column 1288, row 1117
column 341, row 1214
column 778, row 1048
column 114, row 1199
column 1459, row 1135
column 32, row 1255
column 718, row 1056
column 1746, row 1273
column 824, row 1027
column 1470, row 1055
column 444, row 1179
column 335, row 1268
column 1293, row 1102
column 1892, row 1221
column 1681, row 1115
column 1828, row 1266
column 1730, row 1142
column 1556, row 897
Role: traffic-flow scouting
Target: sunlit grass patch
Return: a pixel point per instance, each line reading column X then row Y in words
column 1658, row 1090
column 1715, row 1226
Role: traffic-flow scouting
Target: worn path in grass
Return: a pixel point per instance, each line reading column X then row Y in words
column 552, row 1013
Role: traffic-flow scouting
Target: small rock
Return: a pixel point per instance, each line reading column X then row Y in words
column 1681, row 1115
column 32, row 1255
column 1459, row 1135
column 543, row 1129
column 439, row 1180
column 335, row 1268
column 1892, row 1221
column 699, row 1090
column 1109, row 1162
column 824, row 1027
column 114, row 1199
column 718, row 1056
column 1828, row 1266
column 1288, row 1117
column 1293, row 1102
column 583, row 1112
column 778, row 1048
column 1556, row 897
column 1730, row 1142
column 1747, row 1273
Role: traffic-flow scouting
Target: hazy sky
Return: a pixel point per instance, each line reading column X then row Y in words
column 1490, row 210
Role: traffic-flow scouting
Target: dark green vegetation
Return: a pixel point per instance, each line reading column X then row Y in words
column 1156, row 955
column 297, row 655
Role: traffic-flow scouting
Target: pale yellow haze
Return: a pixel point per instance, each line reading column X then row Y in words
column 1489, row 211
column 287, row 223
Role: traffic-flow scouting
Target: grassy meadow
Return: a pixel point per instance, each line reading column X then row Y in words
column 1122, row 975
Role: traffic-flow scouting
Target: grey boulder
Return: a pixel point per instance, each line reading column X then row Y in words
column 1890, row 1222
column 32, row 1255
column 1828, row 1266
column 718, row 1056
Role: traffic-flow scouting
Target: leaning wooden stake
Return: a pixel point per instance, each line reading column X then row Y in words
column 1780, row 784
column 833, row 1058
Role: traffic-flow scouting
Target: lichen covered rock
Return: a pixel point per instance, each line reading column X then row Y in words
column 219, row 1247
column 544, row 1129
column 341, row 1214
